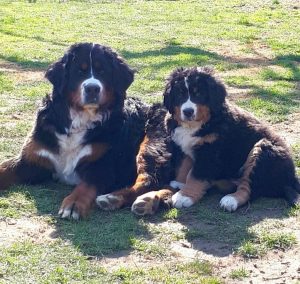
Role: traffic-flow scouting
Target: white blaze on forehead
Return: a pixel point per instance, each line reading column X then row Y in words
column 186, row 84
column 90, row 80
column 188, row 103
column 91, row 61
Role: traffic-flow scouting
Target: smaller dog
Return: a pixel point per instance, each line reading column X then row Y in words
column 229, row 148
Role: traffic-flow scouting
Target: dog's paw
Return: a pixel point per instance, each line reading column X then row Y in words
column 146, row 204
column 73, row 209
column 109, row 201
column 181, row 201
column 229, row 203
column 69, row 213
column 177, row 184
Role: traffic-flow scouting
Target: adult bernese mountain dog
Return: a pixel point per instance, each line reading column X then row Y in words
column 88, row 135
column 214, row 144
column 78, row 125
column 228, row 146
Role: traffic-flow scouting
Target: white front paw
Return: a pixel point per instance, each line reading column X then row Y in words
column 181, row 201
column 229, row 203
column 177, row 184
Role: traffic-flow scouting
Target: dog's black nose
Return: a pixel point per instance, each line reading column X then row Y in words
column 92, row 89
column 92, row 92
column 188, row 112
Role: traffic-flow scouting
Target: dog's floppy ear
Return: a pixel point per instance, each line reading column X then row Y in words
column 167, row 97
column 56, row 73
column 123, row 75
column 217, row 93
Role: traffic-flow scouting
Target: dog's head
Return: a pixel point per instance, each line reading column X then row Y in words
column 193, row 96
column 90, row 76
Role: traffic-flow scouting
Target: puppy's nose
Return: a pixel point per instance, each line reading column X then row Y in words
column 188, row 112
column 92, row 92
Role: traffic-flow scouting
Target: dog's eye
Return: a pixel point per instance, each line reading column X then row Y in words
column 83, row 68
column 98, row 68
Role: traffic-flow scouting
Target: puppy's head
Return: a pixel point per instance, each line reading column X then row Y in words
column 90, row 76
column 193, row 96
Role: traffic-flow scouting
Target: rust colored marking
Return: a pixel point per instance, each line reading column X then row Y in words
column 7, row 174
column 141, row 181
column 183, row 170
column 29, row 153
column 98, row 150
column 140, row 161
column 84, row 66
column 243, row 192
column 202, row 116
column 195, row 189
column 207, row 139
column 81, row 199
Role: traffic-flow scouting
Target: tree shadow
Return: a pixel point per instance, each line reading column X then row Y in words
column 212, row 231
column 25, row 63
column 37, row 38
column 207, row 228
column 101, row 233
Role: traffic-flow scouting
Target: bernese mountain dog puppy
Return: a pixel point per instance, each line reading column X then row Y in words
column 207, row 142
column 227, row 146
column 84, row 135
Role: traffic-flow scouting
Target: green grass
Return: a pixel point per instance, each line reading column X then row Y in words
column 27, row 262
column 261, row 243
column 154, row 37
column 239, row 273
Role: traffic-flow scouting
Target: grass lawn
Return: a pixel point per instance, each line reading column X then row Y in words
column 253, row 46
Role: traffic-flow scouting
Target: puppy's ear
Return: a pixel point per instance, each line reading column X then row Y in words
column 217, row 94
column 122, row 74
column 167, row 97
column 56, row 73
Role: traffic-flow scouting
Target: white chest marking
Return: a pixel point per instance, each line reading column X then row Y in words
column 70, row 153
column 71, row 150
column 184, row 138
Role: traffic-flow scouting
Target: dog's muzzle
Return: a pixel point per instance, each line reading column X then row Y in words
column 91, row 92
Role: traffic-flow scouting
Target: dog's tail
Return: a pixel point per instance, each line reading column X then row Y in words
column 292, row 193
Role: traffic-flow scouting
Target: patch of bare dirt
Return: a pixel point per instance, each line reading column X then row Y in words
column 234, row 52
column 289, row 129
column 20, row 74
column 16, row 230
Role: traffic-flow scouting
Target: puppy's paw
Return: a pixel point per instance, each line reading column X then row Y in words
column 109, row 201
column 181, row 201
column 229, row 203
column 146, row 204
column 177, row 184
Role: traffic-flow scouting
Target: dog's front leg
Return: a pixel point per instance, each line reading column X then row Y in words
column 191, row 192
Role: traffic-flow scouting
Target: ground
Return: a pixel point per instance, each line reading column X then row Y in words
column 254, row 48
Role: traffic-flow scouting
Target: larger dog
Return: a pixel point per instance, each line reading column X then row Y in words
column 82, row 129
column 88, row 135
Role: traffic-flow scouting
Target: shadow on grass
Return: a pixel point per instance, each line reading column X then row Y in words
column 275, row 99
column 209, row 229
column 100, row 234
column 37, row 38
column 27, row 64
column 215, row 232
